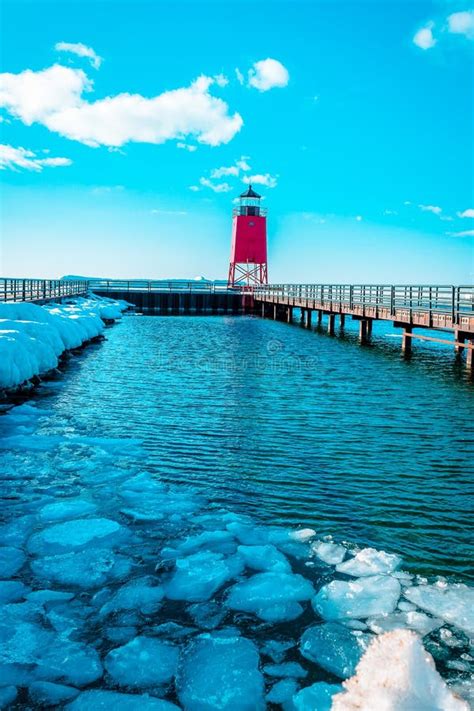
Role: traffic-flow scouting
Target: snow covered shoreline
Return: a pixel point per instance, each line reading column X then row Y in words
column 33, row 338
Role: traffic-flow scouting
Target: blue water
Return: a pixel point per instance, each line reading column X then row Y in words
column 294, row 427
column 237, row 416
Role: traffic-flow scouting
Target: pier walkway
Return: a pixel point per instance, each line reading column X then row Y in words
column 429, row 307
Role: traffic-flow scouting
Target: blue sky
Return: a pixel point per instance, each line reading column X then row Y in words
column 359, row 130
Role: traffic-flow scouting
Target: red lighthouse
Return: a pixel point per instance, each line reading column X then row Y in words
column 248, row 257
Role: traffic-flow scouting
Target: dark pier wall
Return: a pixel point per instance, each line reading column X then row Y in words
column 180, row 303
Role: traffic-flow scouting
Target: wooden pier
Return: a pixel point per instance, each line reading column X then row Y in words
column 448, row 309
column 444, row 314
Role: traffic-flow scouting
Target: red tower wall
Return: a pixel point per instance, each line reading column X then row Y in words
column 249, row 239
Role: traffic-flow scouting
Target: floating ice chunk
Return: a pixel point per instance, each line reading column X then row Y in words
column 271, row 596
column 395, row 673
column 215, row 541
column 140, row 595
column 44, row 693
column 264, row 558
column 289, row 669
column 364, row 597
column 453, row 603
column 406, row 606
column 276, row 649
column 75, row 535
column 199, row 576
column 207, row 615
column 417, row 621
column 369, row 561
column 14, row 533
column 156, row 506
column 43, row 597
column 8, row 695
column 97, row 700
column 282, row 692
column 317, row 697
column 218, row 673
column 334, row 647
column 142, row 663
column 330, row 553
column 73, row 662
column 11, row 560
column 66, row 509
column 248, row 534
column 11, row 591
column 302, row 534
column 86, row 569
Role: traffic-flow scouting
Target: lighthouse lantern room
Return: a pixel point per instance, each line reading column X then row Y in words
column 248, row 258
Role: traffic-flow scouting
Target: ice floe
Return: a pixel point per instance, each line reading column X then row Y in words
column 282, row 692
column 334, row 647
column 317, row 697
column 286, row 669
column 142, row 663
column 274, row 597
column 76, row 535
column 11, row 560
column 453, row 603
column 218, row 673
column 98, row 700
column 364, row 597
column 396, row 673
column 329, row 552
column 142, row 595
column 200, row 575
column 369, row 561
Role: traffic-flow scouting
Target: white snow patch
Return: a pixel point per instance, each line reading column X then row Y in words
column 396, row 672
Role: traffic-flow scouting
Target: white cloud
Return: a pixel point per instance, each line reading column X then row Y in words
column 217, row 187
column 424, row 38
column 224, row 170
column 270, row 181
column 81, row 50
column 464, row 233
column 221, row 80
column 54, row 98
column 194, row 188
column 12, row 158
column 466, row 213
column 390, row 212
column 242, row 163
column 240, row 76
column 267, row 74
column 407, row 202
column 186, row 147
column 359, row 218
column 462, row 23
column 431, row 208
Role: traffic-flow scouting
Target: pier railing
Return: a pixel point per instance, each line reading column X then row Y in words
column 454, row 301
column 41, row 289
column 104, row 286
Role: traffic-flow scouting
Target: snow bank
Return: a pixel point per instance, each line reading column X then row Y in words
column 396, row 672
column 33, row 337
